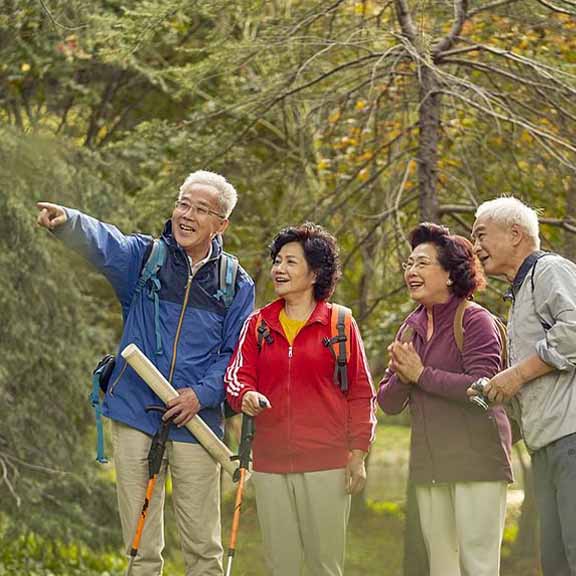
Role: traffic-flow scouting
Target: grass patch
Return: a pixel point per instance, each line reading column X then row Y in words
column 375, row 536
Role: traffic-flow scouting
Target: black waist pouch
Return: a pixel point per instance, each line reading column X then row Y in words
column 103, row 371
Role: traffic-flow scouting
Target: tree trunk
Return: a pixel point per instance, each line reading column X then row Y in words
column 415, row 556
column 366, row 282
column 526, row 544
column 429, row 136
column 569, row 237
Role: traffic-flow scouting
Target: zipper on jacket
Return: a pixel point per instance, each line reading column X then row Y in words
column 114, row 384
column 178, row 331
column 181, row 320
column 289, row 420
column 289, row 387
column 425, row 350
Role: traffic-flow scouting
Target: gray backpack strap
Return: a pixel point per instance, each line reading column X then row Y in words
column 543, row 322
column 227, row 274
column 542, row 255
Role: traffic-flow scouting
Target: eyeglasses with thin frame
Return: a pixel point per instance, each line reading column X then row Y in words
column 416, row 264
column 200, row 210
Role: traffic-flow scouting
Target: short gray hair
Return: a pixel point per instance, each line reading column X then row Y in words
column 227, row 195
column 510, row 210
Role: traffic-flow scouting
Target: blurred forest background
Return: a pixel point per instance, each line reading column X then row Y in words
column 365, row 116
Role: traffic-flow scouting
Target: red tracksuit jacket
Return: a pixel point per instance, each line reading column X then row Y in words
column 311, row 425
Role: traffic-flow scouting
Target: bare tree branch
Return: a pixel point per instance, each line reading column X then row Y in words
column 491, row 6
column 381, row 218
column 405, row 20
column 555, row 8
column 534, row 130
column 382, row 298
column 38, row 467
column 463, row 50
column 489, row 68
column 5, row 479
column 460, row 15
column 308, row 20
column 56, row 23
column 542, row 69
column 365, row 185
column 566, row 224
column 281, row 97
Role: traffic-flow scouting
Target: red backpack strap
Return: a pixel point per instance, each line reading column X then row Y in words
column 339, row 343
column 262, row 332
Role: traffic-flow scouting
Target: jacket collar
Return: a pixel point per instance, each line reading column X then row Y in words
column 271, row 313
column 168, row 237
column 418, row 319
column 525, row 267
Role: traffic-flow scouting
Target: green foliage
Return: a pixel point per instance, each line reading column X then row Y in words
column 34, row 555
column 383, row 507
column 50, row 338
column 311, row 109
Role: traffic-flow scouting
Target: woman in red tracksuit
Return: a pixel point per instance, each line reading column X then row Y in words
column 311, row 437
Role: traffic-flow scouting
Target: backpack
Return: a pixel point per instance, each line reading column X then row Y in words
column 227, row 273
column 338, row 343
column 459, row 330
column 405, row 335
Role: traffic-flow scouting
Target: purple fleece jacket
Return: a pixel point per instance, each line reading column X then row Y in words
column 453, row 440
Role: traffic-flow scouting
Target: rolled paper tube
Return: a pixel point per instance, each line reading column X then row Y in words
column 165, row 391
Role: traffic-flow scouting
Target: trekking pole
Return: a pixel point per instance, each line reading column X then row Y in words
column 155, row 455
column 246, row 437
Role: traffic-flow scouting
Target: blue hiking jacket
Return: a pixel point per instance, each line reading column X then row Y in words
column 207, row 336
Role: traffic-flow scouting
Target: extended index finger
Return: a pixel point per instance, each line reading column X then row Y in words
column 43, row 205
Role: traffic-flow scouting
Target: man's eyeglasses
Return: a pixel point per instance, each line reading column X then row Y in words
column 416, row 264
column 200, row 210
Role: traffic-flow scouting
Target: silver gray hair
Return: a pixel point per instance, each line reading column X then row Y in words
column 227, row 195
column 509, row 210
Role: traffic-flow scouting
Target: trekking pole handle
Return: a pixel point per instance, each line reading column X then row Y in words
column 246, row 438
column 247, row 435
column 158, row 445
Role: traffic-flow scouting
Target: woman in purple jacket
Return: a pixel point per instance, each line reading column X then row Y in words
column 460, row 454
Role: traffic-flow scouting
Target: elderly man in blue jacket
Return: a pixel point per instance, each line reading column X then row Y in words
column 189, row 331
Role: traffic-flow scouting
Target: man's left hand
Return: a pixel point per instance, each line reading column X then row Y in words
column 182, row 408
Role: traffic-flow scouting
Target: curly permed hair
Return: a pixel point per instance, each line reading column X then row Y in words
column 321, row 253
column 455, row 255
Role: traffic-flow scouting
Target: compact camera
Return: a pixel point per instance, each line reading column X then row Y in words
column 480, row 400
